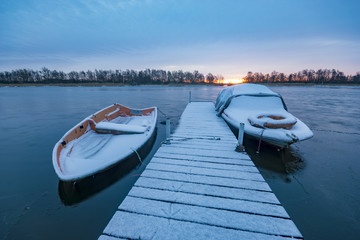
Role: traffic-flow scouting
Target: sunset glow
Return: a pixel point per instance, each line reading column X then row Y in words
column 233, row 81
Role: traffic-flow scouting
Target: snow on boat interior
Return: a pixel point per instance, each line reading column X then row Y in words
column 263, row 113
column 102, row 140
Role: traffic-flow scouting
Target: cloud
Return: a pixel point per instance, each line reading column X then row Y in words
column 230, row 36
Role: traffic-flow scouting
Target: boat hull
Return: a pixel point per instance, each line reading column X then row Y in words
column 271, row 141
column 249, row 103
column 73, row 192
column 83, row 152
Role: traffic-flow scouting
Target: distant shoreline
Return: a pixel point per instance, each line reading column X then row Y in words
column 100, row 84
column 47, row 77
column 173, row 85
column 310, row 84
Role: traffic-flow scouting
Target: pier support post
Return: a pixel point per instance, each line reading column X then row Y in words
column 167, row 131
column 189, row 96
column 240, row 146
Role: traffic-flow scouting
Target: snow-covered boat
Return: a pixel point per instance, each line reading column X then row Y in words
column 102, row 140
column 263, row 113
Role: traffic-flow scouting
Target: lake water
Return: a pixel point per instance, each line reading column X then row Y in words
column 317, row 181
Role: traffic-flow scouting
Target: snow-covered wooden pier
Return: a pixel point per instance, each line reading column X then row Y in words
column 198, row 187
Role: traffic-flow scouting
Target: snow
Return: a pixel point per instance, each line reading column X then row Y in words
column 106, row 237
column 227, row 94
column 93, row 152
column 242, row 160
column 263, row 119
column 236, row 205
column 206, row 171
column 118, row 127
column 187, row 192
column 257, row 104
column 210, row 216
column 204, row 131
column 209, row 180
column 242, row 107
column 204, row 189
column 241, row 102
column 249, row 88
column 217, row 165
column 201, row 145
column 111, row 113
column 202, row 141
column 200, row 152
column 139, row 226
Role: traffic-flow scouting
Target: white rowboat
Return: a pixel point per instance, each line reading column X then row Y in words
column 263, row 113
column 102, row 140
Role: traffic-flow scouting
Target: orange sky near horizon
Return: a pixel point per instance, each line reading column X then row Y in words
column 233, row 81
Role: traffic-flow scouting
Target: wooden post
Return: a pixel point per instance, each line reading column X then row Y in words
column 241, row 134
column 167, row 131
column 240, row 146
column 190, row 97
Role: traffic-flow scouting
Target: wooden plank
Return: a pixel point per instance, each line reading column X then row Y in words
column 209, row 216
column 220, row 134
column 235, row 205
column 209, row 180
column 230, row 161
column 225, row 148
column 108, row 237
column 206, row 172
column 208, row 139
column 199, row 152
column 197, row 145
column 139, row 226
column 202, row 136
column 218, row 165
column 209, row 190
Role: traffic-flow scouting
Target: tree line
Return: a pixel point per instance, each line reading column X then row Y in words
column 321, row 76
column 153, row 76
column 130, row 77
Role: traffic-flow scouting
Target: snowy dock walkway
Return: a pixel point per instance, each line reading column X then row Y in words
column 198, row 187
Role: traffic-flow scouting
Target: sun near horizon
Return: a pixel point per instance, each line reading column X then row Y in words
column 233, row 81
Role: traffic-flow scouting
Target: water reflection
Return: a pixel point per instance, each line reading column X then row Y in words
column 285, row 161
column 74, row 192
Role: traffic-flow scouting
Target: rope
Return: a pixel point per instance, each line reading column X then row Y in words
column 206, row 138
column 166, row 141
column 258, row 149
column 162, row 113
column 137, row 154
column 293, row 137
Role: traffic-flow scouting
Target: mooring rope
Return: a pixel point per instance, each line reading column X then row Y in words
column 164, row 114
column 137, row 154
column 258, row 149
column 190, row 138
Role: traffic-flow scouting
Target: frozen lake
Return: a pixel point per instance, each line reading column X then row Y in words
column 317, row 181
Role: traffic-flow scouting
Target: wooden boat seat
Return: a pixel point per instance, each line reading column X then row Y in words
column 117, row 128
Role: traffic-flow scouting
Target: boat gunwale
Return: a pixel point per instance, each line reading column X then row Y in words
column 272, row 141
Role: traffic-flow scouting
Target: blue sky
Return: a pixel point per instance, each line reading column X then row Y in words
column 228, row 37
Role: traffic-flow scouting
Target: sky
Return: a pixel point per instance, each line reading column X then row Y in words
column 228, row 37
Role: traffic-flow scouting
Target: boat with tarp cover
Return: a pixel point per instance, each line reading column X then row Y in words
column 102, row 140
column 263, row 113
